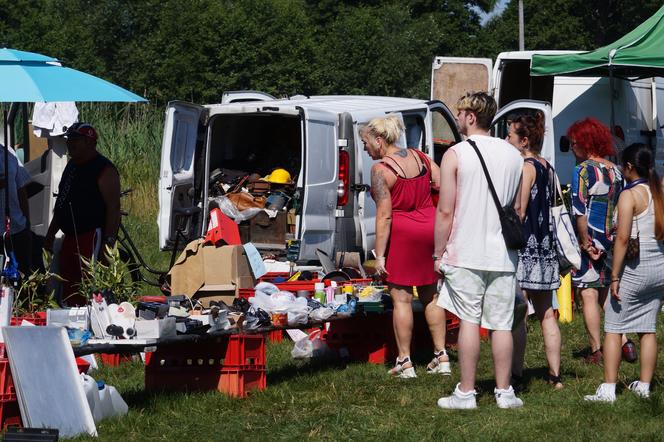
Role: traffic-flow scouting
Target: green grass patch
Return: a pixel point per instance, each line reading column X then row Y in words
column 332, row 401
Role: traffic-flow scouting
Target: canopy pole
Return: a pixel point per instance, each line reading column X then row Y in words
column 611, row 86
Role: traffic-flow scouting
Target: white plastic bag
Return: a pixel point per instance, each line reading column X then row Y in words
column 307, row 348
column 229, row 209
column 321, row 314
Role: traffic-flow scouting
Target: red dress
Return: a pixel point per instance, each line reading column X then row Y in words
column 410, row 247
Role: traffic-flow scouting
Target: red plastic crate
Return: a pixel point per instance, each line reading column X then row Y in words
column 10, row 413
column 238, row 382
column 114, row 360
column 38, row 318
column 224, row 351
column 246, row 293
column 6, row 382
column 275, row 335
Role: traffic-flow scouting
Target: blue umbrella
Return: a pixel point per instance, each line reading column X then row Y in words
column 29, row 77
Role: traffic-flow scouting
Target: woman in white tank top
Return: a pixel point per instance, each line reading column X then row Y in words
column 637, row 282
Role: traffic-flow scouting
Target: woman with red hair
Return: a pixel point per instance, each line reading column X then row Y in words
column 595, row 187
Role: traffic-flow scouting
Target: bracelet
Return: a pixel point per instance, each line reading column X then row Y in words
column 614, row 280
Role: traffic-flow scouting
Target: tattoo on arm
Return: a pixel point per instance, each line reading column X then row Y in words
column 379, row 189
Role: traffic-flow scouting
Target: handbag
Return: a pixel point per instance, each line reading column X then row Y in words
column 567, row 245
column 510, row 223
column 245, row 200
column 633, row 244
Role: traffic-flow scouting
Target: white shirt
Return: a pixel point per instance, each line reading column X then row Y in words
column 476, row 240
column 18, row 178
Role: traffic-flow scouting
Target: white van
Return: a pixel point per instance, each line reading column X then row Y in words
column 638, row 105
column 317, row 136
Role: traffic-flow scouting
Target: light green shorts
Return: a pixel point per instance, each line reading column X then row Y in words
column 481, row 297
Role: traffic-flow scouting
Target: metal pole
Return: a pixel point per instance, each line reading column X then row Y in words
column 522, row 44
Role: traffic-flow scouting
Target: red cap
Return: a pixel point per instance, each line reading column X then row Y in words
column 81, row 130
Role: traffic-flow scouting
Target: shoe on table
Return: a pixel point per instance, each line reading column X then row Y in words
column 507, row 398
column 640, row 388
column 595, row 357
column 629, row 351
column 438, row 366
column 403, row 369
column 459, row 400
column 605, row 393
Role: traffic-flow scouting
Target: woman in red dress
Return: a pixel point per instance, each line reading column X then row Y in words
column 401, row 184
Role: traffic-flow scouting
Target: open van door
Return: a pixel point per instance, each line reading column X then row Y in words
column 561, row 161
column 452, row 77
column 444, row 130
column 182, row 139
column 319, row 183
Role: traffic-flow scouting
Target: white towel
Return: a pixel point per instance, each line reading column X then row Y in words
column 53, row 119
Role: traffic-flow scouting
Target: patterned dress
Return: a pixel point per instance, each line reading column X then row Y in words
column 538, row 260
column 595, row 190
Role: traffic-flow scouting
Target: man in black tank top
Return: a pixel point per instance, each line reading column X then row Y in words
column 87, row 209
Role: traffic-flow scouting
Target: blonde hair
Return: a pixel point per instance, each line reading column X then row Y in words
column 389, row 127
column 481, row 104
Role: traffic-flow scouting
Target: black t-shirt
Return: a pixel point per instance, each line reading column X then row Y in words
column 80, row 206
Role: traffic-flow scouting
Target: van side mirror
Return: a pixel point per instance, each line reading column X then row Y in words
column 564, row 143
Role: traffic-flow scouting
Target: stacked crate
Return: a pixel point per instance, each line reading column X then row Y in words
column 10, row 414
column 232, row 364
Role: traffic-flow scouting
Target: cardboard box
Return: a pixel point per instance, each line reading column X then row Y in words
column 216, row 292
column 207, row 271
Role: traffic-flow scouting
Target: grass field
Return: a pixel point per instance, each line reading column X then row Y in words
column 332, row 401
column 356, row 401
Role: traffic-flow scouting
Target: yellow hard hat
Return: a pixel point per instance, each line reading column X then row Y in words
column 279, row 176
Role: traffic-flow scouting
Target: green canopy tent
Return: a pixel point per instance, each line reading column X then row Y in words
column 639, row 54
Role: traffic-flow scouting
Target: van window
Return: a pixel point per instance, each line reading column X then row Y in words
column 414, row 130
column 501, row 127
column 182, row 155
column 517, row 84
column 443, row 135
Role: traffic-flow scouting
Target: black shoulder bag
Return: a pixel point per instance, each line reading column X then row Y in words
column 510, row 222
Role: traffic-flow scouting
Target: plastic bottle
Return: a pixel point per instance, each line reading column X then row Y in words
column 105, row 400
column 319, row 292
column 92, row 395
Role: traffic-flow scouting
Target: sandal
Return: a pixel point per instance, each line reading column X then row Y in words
column 556, row 381
column 438, row 366
column 403, row 369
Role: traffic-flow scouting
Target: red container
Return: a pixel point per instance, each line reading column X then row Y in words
column 275, row 336
column 39, row 318
column 6, row 383
column 245, row 350
column 10, row 413
column 231, row 364
column 114, row 360
column 238, row 382
column 246, row 293
column 82, row 365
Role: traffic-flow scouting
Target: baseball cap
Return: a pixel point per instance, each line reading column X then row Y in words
column 77, row 130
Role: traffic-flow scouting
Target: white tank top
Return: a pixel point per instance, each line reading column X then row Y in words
column 476, row 240
column 643, row 224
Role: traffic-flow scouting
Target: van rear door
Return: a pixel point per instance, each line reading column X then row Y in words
column 451, row 77
column 562, row 161
column 320, row 157
column 183, row 138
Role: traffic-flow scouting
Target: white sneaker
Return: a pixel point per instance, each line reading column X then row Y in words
column 436, row 366
column 641, row 389
column 507, row 398
column 459, row 400
column 401, row 371
column 604, row 393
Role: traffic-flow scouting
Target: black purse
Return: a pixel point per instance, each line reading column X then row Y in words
column 510, row 222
